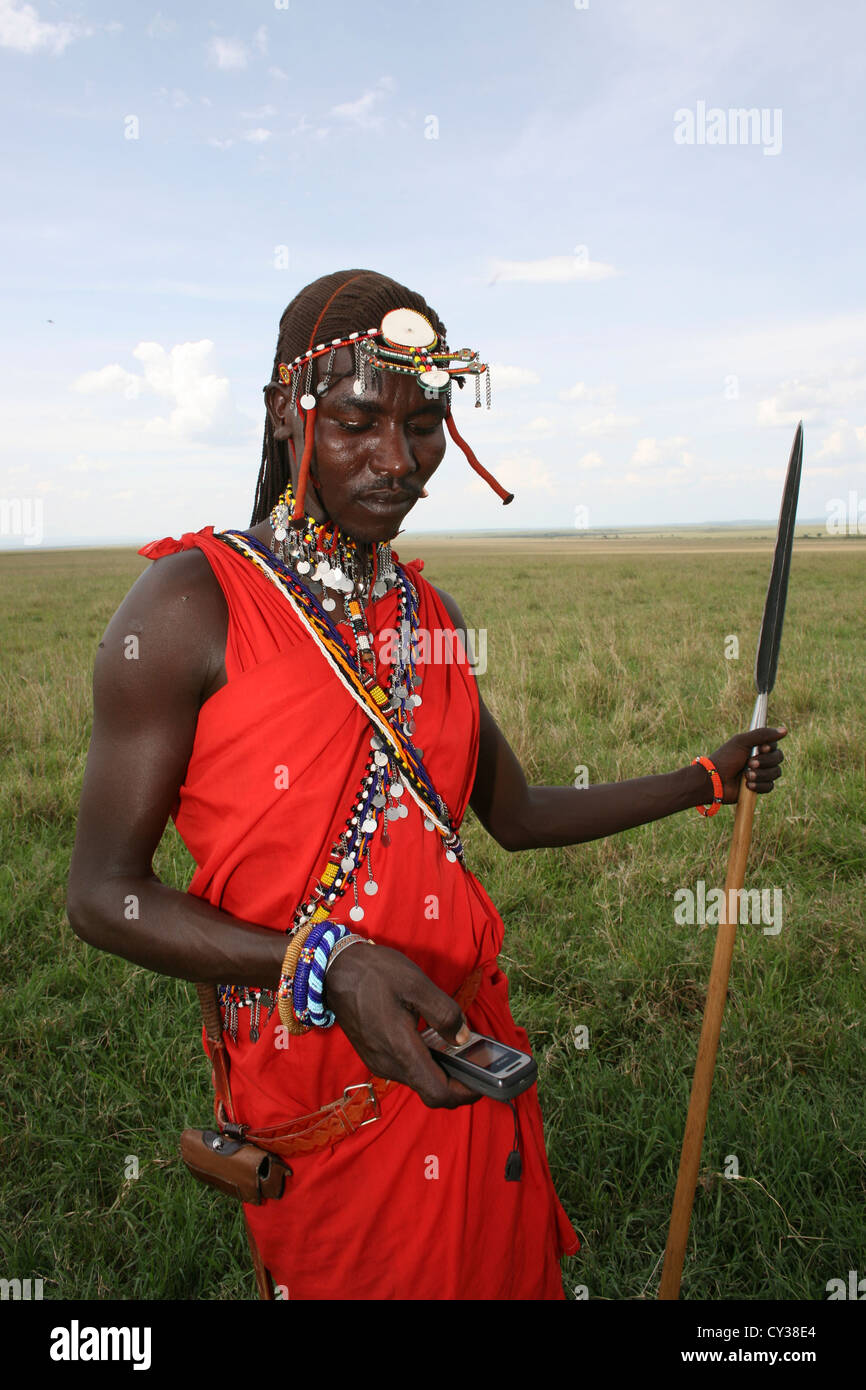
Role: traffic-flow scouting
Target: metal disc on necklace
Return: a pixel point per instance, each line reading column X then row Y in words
column 403, row 810
column 375, row 741
column 369, row 825
column 450, row 856
column 380, row 800
column 380, row 759
column 379, row 588
column 347, row 865
column 356, row 913
column 280, row 533
column 416, row 700
column 303, row 567
column 328, row 604
column 428, row 824
column 397, row 789
column 371, row 887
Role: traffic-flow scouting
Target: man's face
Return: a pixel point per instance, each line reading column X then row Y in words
column 389, row 440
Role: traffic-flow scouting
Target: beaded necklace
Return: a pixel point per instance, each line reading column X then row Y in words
column 394, row 764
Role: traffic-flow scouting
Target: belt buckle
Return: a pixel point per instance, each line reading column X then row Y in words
column 374, row 1101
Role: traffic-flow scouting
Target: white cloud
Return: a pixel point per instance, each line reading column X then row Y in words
column 364, row 111
column 555, row 270
column 22, row 30
column 504, row 378
column 227, row 54
column 220, row 144
column 184, row 376
column 541, row 426
column 609, row 424
column 650, row 451
column 523, row 472
column 278, row 74
column 261, row 114
column 604, row 394
column 815, row 396
column 260, row 39
column 666, row 478
column 845, row 441
column 177, row 96
column 82, row 463
column 113, row 380
column 160, row 27
column 773, row 412
column 258, row 136
column 591, row 460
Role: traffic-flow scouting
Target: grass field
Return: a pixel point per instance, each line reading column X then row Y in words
column 610, row 656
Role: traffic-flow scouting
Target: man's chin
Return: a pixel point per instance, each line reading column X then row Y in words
column 370, row 524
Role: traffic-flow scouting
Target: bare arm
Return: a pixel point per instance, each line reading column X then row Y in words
column 522, row 817
column 157, row 656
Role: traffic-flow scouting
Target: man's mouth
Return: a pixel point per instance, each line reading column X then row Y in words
column 389, row 501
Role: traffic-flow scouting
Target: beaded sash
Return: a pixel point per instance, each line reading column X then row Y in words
column 346, row 857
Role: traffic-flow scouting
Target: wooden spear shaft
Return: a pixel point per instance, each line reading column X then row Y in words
column 699, row 1102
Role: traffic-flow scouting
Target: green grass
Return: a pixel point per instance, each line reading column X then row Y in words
column 614, row 662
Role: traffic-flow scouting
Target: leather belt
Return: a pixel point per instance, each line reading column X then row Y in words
column 358, row 1106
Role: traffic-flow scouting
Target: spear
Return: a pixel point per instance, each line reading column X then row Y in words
column 765, row 676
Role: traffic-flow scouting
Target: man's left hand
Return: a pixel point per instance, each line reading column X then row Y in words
column 762, row 770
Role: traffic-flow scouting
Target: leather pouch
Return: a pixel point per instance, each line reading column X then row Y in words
column 241, row 1170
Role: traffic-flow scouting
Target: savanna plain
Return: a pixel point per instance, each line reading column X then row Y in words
column 607, row 657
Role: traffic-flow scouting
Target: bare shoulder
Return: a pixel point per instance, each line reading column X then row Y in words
column 452, row 607
column 171, row 627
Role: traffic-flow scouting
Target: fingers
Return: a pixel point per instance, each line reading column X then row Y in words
column 764, row 769
column 441, row 1011
column 425, row 1075
column 766, row 735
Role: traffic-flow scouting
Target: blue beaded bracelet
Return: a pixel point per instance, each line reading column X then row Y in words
column 308, row 987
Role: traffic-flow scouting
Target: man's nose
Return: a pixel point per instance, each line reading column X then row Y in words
column 394, row 457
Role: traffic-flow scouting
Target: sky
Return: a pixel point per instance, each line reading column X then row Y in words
column 663, row 287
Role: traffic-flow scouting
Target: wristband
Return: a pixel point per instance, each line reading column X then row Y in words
column 309, row 976
column 718, row 790
column 284, row 990
column 341, row 946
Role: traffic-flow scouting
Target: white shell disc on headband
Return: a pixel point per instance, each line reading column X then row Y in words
column 308, row 402
column 435, row 379
column 407, row 328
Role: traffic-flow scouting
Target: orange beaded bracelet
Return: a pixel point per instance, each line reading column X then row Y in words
column 718, row 790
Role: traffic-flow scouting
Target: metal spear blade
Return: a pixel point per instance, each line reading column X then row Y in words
column 774, row 608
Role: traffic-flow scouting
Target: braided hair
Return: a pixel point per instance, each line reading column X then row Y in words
column 347, row 301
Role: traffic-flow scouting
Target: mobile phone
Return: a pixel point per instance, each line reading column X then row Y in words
column 484, row 1065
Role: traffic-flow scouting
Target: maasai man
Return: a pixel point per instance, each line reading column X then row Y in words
column 318, row 758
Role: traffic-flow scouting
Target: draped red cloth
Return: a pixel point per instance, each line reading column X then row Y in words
column 415, row 1205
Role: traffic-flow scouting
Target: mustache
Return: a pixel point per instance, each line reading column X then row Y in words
column 401, row 494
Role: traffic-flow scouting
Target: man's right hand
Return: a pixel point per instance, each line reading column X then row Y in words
column 377, row 997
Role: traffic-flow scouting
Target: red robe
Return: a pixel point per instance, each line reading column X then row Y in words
column 415, row 1205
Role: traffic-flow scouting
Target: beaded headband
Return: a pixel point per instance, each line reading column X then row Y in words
column 404, row 342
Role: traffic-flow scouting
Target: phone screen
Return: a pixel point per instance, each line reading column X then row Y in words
column 484, row 1054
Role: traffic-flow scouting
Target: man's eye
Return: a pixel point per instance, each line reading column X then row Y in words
column 354, row 426
column 426, row 429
